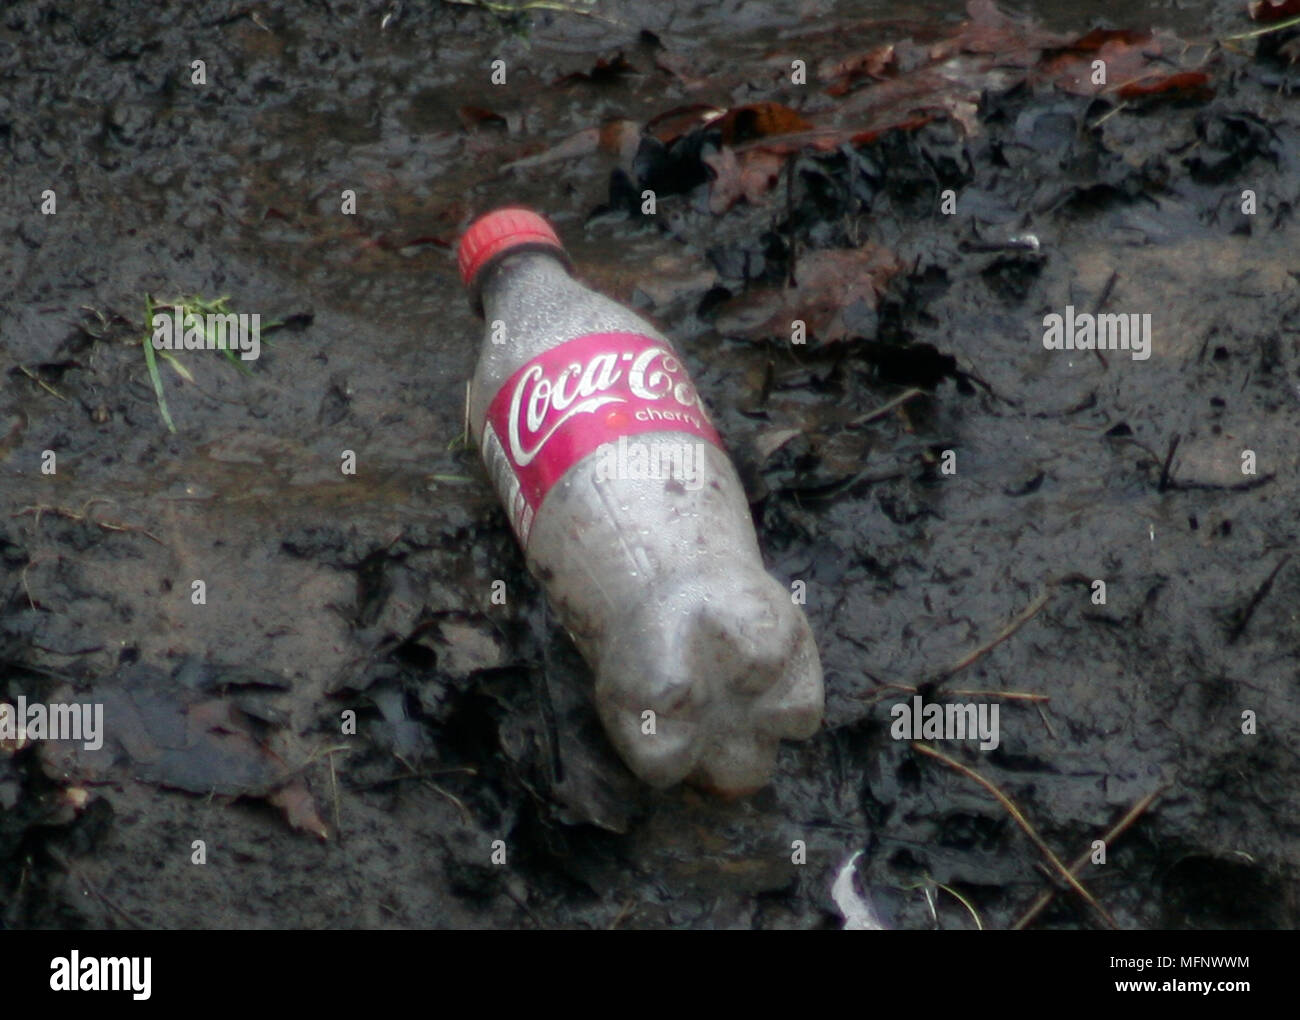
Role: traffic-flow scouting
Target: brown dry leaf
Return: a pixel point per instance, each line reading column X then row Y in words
column 1128, row 57
column 912, row 85
column 759, row 120
column 299, row 808
column 680, row 120
column 1132, row 67
column 1009, row 41
column 620, row 137
column 1194, row 82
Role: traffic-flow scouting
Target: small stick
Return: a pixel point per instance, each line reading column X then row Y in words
column 622, row 913
column 1277, row 27
column 1114, row 274
column 1029, row 612
column 73, row 515
column 524, row 907
column 1116, row 831
column 1169, row 462
column 1098, row 123
column 75, row 872
column 334, row 789
column 1051, row 730
column 464, row 811
column 40, row 382
column 1023, row 822
column 1246, row 486
column 885, row 408
column 1261, row 593
column 1009, row 695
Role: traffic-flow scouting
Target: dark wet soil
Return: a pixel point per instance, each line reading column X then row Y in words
column 371, row 593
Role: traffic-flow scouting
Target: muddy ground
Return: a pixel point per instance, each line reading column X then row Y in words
column 371, row 593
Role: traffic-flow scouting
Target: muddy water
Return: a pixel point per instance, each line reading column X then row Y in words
column 328, row 592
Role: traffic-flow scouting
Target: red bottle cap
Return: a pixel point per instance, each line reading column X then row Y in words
column 494, row 235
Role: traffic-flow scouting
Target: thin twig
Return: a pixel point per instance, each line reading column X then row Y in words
column 623, row 912
column 1023, row 822
column 1169, row 462
column 1008, row 695
column 885, row 408
column 1104, row 296
column 1246, row 486
column 1265, row 31
column 1051, row 730
column 334, row 790
column 1027, row 614
column 465, row 812
column 1261, row 593
column 40, row 382
column 1116, row 831
column 83, row 515
column 63, row 862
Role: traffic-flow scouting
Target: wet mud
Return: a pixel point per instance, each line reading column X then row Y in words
column 949, row 490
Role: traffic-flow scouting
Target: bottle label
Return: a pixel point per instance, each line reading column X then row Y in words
column 570, row 401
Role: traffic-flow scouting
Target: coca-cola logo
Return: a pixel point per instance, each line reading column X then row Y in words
column 541, row 404
column 575, row 398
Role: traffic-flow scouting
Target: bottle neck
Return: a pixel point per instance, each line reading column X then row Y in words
column 523, row 272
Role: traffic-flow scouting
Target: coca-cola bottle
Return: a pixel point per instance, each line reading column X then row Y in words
column 631, row 514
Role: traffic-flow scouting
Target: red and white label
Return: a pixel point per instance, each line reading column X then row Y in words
column 572, row 399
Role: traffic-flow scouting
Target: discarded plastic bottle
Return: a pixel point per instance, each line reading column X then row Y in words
column 631, row 514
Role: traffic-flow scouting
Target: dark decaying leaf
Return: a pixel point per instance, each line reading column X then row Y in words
column 472, row 117
column 832, row 286
column 166, row 730
column 603, row 73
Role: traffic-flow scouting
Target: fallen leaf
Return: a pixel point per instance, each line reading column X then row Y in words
column 767, row 443
column 1196, row 82
column 850, row 71
column 299, row 808
column 991, row 33
column 673, row 124
column 758, row 120
column 174, row 736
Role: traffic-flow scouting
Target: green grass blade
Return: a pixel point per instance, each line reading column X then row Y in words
column 153, row 365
